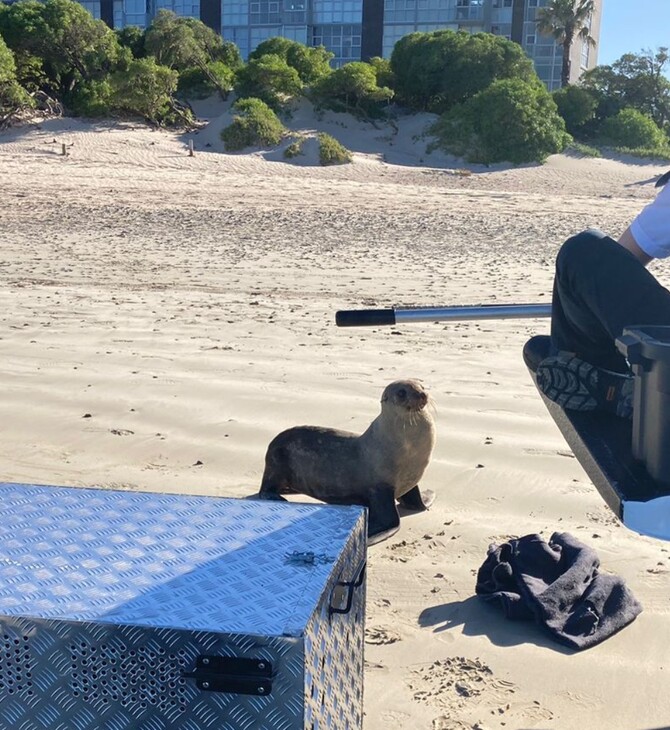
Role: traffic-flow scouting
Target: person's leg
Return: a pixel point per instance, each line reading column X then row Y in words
column 599, row 289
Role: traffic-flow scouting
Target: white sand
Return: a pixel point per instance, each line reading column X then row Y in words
column 159, row 310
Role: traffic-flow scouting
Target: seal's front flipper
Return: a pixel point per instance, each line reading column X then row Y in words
column 270, row 495
column 416, row 500
column 383, row 517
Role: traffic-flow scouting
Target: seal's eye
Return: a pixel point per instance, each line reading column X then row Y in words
column 402, row 394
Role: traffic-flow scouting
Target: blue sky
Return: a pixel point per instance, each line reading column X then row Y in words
column 631, row 25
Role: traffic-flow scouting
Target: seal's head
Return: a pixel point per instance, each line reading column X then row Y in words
column 405, row 395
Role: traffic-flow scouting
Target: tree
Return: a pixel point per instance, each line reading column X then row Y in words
column 132, row 37
column 565, row 21
column 637, row 81
column 12, row 97
column 352, row 88
column 70, row 44
column 270, row 79
column 510, row 121
column 434, row 71
column 310, row 63
column 576, row 105
column 146, row 89
column 184, row 43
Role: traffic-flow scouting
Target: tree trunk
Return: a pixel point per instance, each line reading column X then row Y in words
column 565, row 68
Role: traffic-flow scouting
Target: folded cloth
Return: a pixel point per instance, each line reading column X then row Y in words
column 559, row 586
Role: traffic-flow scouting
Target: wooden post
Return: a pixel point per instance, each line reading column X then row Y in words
column 190, row 148
column 63, row 150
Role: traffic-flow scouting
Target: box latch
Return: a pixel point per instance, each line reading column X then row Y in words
column 232, row 674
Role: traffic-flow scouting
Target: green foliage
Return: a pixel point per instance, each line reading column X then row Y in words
column 72, row 46
column 352, row 88
column 636, row 81
column 383, row 71
column 270, row 79
column 584, row 150
column 331, row 152
column 255, row 124
column 187, row 43
column 434, row 71
column 91, row 98
column 294, row 149
column 133, row 38
column 197, row 83
column 576, row 105
column 511, row 121
column 13, row 98
column 310, row 63
column 145, row 89
column 633, row 129
column 646, row 153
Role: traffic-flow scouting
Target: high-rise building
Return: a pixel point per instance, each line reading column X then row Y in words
column 359, row 29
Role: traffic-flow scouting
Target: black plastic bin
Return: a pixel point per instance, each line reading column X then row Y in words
column 647, row 349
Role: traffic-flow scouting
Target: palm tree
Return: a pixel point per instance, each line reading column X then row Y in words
column 566, row 20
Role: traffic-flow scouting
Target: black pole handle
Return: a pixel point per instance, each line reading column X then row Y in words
column 364, row 317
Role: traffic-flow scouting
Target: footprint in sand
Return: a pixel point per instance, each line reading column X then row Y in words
column 380, row 635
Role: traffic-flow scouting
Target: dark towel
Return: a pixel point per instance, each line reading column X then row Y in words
column 558, row 585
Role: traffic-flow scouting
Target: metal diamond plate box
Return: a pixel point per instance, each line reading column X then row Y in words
column 124, row 610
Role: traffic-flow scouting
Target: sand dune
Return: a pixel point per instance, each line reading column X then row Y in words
column 162, row 317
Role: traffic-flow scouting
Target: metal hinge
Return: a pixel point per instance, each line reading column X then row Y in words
column 232, row 674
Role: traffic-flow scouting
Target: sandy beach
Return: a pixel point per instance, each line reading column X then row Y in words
column 163, row 316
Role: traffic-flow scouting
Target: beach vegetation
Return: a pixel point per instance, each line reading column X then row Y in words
column 270, row 79
column 527, row 114
column 295, row 148
column 311, row 63
column 352, row 88
column 632, row 129
column 332, row 152
column 577, row 106
column 434, row 71
column 13, row 97
column 132, row 38
column 566, row 21
column 383, row 71
column 146, row 89
column 186, row 43
column 583, row 150
column 254, row 124
column 635, row 81
column 196, row 83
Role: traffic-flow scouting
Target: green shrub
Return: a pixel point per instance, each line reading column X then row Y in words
column 646, row 153
column 352, row 88
column 294, row 149
column 434, row 71
column 255, row 124
column 632, row 129
column 310, row 63
column 584, row 150
column 146, row 89
column 270, row 79
column 576, row 105
column 510, row 121
column 331, row 152
column 199, row 83
column 91, row 99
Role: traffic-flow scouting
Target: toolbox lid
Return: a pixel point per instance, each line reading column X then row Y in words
column 165, row 560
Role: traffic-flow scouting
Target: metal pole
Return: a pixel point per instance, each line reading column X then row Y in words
column 376, row 317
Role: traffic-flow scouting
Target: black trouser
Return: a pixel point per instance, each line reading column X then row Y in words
column 599, row 289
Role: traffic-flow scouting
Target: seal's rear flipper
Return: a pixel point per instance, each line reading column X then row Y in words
column 416, row 500
column 602, row 444
column 383, row 517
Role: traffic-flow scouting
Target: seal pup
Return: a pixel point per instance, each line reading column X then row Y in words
column 373, row 469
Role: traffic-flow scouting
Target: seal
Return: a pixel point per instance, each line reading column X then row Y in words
column 374, row 469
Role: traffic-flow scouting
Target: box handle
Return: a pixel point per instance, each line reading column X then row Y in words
column 350, row 588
